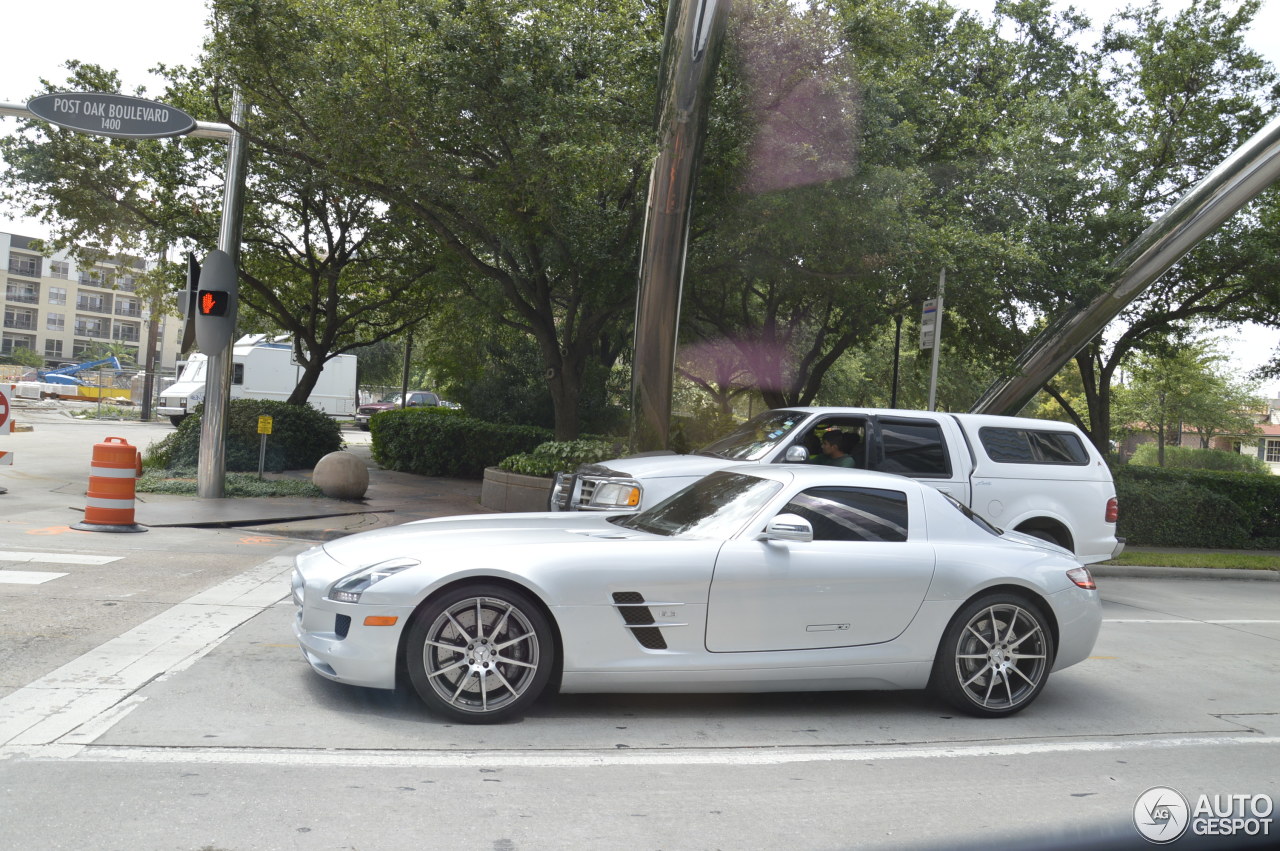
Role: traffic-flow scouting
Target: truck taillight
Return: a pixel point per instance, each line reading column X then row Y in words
column 1113, row 510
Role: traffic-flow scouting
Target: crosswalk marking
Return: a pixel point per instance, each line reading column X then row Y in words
column 55, row 558
column 26, row 577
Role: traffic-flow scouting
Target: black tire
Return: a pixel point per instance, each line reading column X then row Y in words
column 364, row 426
column 995, row 656
column 480, row 676
column 177, row 421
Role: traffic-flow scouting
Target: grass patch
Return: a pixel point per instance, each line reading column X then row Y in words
column 183, row 482
column 1233, row 560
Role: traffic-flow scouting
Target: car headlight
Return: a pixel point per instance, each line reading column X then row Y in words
column 349, row 588
column 615, row 495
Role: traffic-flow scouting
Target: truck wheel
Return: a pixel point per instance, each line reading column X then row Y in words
column 177, row 421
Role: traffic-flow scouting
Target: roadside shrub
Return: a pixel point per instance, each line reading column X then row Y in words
column 440, row 442
column 1198, row 508
column 1185, row 458
column 300, row 436
column 553, row 457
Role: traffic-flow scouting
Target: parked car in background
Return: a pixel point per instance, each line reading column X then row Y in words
column 1040, row 477
column 416, row 399
column 756, row 578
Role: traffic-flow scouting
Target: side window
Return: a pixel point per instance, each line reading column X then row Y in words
column 237, row 373
column 1028, row 446
column 913, row 448
column 852, row 514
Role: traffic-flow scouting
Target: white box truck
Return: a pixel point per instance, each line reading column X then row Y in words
column 264, row 368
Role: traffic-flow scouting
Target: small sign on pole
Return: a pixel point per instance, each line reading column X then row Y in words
column 928, row 323
column 264, row 429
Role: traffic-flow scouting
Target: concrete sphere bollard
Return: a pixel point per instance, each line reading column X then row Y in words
column 341, row 475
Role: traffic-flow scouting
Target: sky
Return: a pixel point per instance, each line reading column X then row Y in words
column 134, row 36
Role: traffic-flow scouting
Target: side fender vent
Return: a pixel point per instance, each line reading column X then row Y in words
column 639, row 620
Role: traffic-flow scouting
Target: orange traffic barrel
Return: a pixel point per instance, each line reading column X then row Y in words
column 113, row 475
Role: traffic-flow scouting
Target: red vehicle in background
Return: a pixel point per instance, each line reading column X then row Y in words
column 416, row 399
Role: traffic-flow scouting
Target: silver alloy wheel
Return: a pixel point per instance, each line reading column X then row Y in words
column 1002, row 657
column 481, row 654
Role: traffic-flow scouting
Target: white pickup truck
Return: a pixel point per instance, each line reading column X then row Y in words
column 1040, row 477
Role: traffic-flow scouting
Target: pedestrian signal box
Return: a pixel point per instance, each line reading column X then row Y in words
column 216, row 300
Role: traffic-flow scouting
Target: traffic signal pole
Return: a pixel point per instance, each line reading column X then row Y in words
column 212, row 473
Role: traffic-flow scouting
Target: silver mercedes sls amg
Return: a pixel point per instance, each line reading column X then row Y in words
column 752, row 579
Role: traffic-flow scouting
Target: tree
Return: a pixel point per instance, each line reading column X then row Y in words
column 22, row 356
column 1186, row 92
column 1183, row 385
column 517, row 135
column 330, row 267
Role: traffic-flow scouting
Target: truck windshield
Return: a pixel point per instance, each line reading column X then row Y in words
column 713, row 507
column 755, row 438
column 193, row 371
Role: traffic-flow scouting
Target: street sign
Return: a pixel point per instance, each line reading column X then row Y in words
column 928, row 322
column 108, row 114
column 6, row 409
column 264, row 425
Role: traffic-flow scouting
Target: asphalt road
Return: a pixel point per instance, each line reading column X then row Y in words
column 157, row 700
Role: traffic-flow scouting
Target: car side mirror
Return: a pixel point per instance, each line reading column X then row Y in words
column 796, row 455
column 789, row 527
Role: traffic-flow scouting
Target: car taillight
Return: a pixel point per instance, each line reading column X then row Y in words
column 1113, row 510
column 1083, row 578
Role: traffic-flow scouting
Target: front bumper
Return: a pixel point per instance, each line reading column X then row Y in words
column 336, row 639
column 577, row 492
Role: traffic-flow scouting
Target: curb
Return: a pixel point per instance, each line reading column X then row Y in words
column 1134, row 571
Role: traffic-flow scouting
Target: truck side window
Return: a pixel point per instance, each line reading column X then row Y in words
column 913, row 448
column 852, row 514
column 1032, row 446
column 237, row 373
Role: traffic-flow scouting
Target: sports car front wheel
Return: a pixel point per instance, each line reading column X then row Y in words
column 995, row 657
column 480, row 653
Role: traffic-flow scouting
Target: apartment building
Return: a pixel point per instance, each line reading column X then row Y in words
column 60, row 310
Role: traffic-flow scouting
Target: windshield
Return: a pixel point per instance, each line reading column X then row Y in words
column 755, row 438
column 713, row 507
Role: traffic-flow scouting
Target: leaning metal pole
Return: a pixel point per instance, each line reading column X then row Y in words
column 212, row 473
column 691, row 51
column 1235, row 182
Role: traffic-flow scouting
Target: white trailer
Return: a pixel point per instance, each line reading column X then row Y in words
column 264, row 368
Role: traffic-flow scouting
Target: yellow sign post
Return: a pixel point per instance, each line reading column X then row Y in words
column 264, row 429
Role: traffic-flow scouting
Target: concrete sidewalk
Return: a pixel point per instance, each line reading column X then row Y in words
column 48, row 480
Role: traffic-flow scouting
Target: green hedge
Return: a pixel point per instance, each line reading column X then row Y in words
column 300, row 436
column 561, row 456
column 1198, row 508
column 1183, row 457
column 441, row 442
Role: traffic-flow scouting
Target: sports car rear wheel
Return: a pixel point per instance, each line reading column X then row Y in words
column 480, row 653
column 995, row 657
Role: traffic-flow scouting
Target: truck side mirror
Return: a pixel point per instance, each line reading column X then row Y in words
column 796, row 455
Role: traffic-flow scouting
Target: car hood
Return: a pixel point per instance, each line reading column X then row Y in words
column 661, row 466
column 474, row 533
